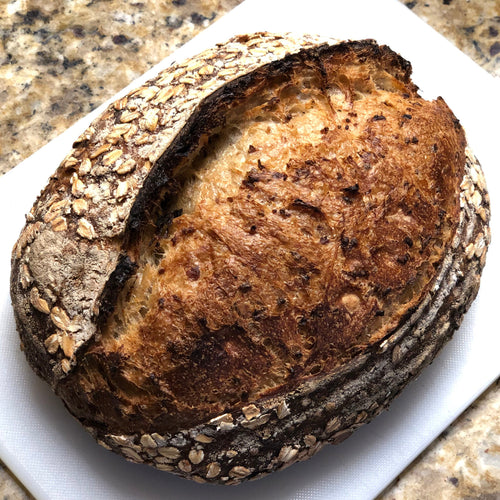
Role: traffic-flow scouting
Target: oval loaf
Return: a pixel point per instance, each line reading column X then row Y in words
column 251, row 255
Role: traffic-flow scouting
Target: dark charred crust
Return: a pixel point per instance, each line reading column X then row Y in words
column 354, row 189
column 117, row 279
column 298, row 203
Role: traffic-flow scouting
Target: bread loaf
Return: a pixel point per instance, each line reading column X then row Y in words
column 251, row 255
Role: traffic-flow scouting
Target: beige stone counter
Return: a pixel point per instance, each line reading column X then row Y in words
column 101, row 45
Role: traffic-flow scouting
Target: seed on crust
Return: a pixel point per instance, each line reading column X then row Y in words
column 481, row 181
column 160, row 440
column 65, row 365
column 85, row 136
column 146, row 93
column 226, row 417
column 250, row 411
column 213, row 470
column 147, row 441
column 332, row 425
column 85, row 229
column 151, row 120
column 239, row 472
column 121, row 440
column 120, row 128
column 122, row 212
column 340, row 436
column 487, row 235
column 120, row 103
column 477, row 200
column 153, row 453
column 169, row 452
column 467, row 185
column 27, row 236
column 121, row 190
column 113, row 137
column 206, row 70
column 397, row 355
column 189, row 80
column 470, row 250
column 362, row 416
column 50, row 216
column 198, row 479
column 80, row 206
column 100, row 442
column 131, row 132
column 196, row 456
column 85, row 167
column 132, row 454
column 126, row 167
column 185, row 466
column 164, row 95
column 144, row 139
column 128, row 116
column 165, row 78
column 164, row 467
column 59, row 224
column 71, row 161
column 202, row 438
column 77, row 186
column 52, row 343
column 256, row 422
column 60, row 205
column 195, row 64
column 309, row 440
column 30, row 216
column 479, row 245
column 103, row 148
column 37, row 302
column 226, row 426
column 68, row 345
column 483, row 214
column 25, row 276
column 227, row 72
column 208, row 84
column 258, row 52
column 287, row 453
column 223, row 420
column 60, row 318
column 111, row 157
column 282, row 410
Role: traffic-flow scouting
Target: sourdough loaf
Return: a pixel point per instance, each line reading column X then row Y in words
column 251, row 255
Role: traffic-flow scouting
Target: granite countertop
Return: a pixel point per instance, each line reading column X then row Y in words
column 103, row 45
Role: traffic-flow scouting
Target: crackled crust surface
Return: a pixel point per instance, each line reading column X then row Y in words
column 103, row 186
column 310, row 225
column 207, row 265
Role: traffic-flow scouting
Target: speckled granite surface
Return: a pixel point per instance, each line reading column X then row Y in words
column 472, row 25
column 463, row 463
column 60, row 60
column 104, row 44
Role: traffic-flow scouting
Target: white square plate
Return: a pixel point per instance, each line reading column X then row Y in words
column 56, row 459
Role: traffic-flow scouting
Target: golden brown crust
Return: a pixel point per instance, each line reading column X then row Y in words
column 325, row 209
column 103, row 187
